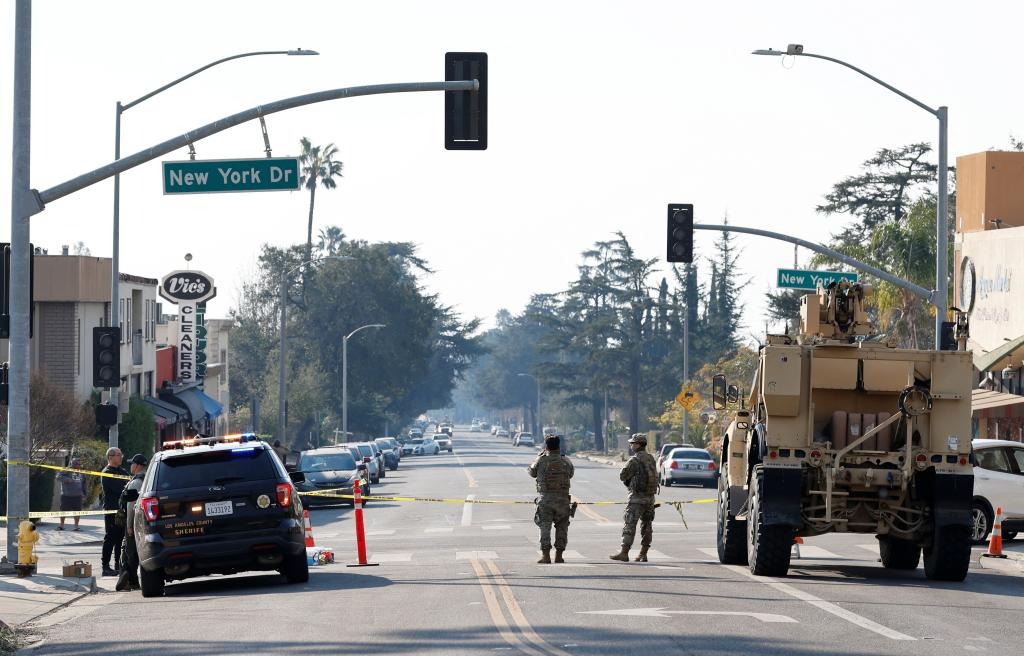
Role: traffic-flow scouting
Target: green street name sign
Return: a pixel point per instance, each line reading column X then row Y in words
column 231, row 175
column 797, row 279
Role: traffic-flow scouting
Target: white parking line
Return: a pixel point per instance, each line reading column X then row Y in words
column 827, row 606
column 467, row 511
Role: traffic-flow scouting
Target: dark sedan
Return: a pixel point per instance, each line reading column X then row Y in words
column 331, row 469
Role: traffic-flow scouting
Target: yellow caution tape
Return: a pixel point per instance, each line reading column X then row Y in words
column 70, row 469
column 332, row 495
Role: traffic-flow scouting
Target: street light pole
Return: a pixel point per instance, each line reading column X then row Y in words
column 115, row 272
column 941, row 292
column 344, row 375
column 282, row 385
column 686, row 374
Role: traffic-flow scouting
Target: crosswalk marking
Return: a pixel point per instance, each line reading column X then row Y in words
column 810, row 551
column 475, row 555
column 873, row 548
column 381, row 532
column 391, row 557
column 499, row 527
column 571, row 554
column 654, row 554
column 440, row 529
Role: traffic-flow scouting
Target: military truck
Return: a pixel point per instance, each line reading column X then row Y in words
column 844, row 432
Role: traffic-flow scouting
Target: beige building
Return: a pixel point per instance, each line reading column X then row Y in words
column 72, row 296
column 988, row 263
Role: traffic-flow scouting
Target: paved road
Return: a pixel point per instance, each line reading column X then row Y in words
column 462, row 579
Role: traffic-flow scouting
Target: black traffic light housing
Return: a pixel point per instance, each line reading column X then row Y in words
column 680, row 232
column 465, row 112
column 106, row 356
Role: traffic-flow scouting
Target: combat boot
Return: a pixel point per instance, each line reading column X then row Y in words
column 545, row 558
column 642, row 556
column 558, row 556
column 623, row 555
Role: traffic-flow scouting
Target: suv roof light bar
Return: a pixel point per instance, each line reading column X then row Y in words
column 210, row 440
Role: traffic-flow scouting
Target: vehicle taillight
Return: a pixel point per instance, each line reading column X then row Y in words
column 921, row 461
column 284, row 494
column 773, row 454
column 711, row 466
column 151, row 508
column 674, row 465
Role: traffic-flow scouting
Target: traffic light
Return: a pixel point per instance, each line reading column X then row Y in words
column 465, row 112
column 106, row 356
column 680, row 233
column 5, row 289
column 106, row 414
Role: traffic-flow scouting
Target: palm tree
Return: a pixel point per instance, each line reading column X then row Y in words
column 317, row 164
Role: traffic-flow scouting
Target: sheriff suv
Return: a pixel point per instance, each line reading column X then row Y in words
column 215, row 506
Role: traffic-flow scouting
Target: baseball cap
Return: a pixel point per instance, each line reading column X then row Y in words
column 139, row 459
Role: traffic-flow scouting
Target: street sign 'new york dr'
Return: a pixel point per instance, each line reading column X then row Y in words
column 219, row 176
column 797, row 279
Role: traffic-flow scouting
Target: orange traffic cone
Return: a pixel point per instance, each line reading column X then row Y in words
column 797, row 541
column 309, row 528
column 995, row 543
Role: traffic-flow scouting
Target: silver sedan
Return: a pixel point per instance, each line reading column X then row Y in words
column 689, row 465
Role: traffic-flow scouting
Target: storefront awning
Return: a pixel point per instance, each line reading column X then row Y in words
column 212, row 407
column 987, row 400
column 997, row 356
column 163, row 413
column 189, row 400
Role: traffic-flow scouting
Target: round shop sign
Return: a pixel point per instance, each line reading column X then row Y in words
column 263, row 501
column 187, row 287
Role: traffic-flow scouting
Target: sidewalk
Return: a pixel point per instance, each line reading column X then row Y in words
column 1012, row 564
column 25, row 599
column 613, row 459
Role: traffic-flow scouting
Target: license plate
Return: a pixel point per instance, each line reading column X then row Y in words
column 693, row 466
column 215, row 508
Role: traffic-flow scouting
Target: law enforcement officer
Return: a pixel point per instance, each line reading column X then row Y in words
column 129, row 578
column 640, row 475
column 113, row 531
column 552, row 471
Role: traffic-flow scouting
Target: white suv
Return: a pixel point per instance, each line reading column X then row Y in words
column 998, row 482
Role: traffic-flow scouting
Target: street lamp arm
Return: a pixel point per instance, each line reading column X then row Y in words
column 371, row 325
column 930, row 110
column 181, row 79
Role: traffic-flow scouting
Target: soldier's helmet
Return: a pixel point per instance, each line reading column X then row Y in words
column 638, row 438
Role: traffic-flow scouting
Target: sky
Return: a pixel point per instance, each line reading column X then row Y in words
column 600, row 114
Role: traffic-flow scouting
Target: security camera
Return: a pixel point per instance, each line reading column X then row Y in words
column 794, row 49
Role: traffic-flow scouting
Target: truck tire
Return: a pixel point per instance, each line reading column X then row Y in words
column 152, row 583
column 768, row 547
column 949, row 554
column 897, row 553
column 731, row 532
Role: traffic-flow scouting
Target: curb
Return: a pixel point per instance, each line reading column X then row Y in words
column 90, row 588
column 1012, row 564
column 601, row 460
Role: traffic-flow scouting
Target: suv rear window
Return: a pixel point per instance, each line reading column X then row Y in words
column 214, row 468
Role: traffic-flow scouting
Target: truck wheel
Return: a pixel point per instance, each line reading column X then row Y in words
column 731, row 532
column 897, row 553
column 982, row 520
column 152, row 583
column 768, row 547
column 949, row 555
column 296, row 568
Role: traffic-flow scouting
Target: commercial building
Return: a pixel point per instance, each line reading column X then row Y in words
column 988, row 262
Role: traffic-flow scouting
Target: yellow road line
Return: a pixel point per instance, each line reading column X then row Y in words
column 517, row 613
column 494, row 608
column 593, row 514
column 469, row 477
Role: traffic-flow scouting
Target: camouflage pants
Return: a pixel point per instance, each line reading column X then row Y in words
column 638, row 510
column 553, row 509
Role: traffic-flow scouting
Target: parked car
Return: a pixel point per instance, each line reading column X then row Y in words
column 415, row 432
column 524, row 439
column 379, row 454
column 443, row 441
column 365, row 455
column 330, row 468
column 391, row 450
column 689, row 465
column 494, row 429
column 501, row 432
column 484, row 426
column 998, row 482
column 421, row 447
column 667, row 449
column 444, row 428
column 219, row 508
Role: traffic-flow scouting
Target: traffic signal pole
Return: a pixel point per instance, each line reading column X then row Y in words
column 18, row 442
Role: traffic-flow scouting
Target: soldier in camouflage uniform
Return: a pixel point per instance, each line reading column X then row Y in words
column 552, row 471
column 640, row 475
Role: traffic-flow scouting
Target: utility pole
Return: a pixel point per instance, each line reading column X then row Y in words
column 686, row 374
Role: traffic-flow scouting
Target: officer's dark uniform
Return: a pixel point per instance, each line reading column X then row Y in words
column 113, row 533
column 129, row 577
column 552, row 471
column 640, row 475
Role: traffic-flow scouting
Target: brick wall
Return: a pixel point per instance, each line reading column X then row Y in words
column 58, row 343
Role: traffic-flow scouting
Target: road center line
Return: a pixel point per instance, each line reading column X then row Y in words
column 593, row 514
column 469, row 477
column 467, row 511
column 517, row 613
column 827, row 606
column 494, row 608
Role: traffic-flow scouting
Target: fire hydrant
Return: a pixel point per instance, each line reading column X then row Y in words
column 27, row 538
